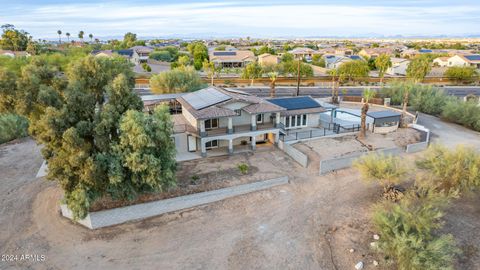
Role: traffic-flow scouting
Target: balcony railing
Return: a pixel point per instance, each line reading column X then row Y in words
column 236, row 129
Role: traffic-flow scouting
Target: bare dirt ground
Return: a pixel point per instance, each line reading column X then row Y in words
column 333, row 147
column 211, row 173
column 311, row 223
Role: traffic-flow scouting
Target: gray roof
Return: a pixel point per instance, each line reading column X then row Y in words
column 207, row 103
column 383, row 114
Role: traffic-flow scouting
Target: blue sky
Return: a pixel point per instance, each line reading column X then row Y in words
column 213, row 18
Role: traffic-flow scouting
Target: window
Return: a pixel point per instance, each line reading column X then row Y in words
column 294, row 121
column 238, row 112
column 259, row 118
column 211, row 144
column 211, row 123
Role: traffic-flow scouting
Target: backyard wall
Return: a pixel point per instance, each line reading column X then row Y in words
column 105, row 218
column 329, row 165
column 297, row 155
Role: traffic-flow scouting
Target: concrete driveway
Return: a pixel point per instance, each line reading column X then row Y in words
column 449, row 134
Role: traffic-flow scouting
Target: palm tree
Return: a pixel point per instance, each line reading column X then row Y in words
column 91, row 37
column 367, row 95
column 80, row 35
column 335, row 84
column 59, row 32
column 273, row 78
column 68, row 36
column 406, row 93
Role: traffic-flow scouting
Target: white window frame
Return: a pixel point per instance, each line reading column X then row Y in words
column 293, row 120
column 238, row 112
column 261, row 118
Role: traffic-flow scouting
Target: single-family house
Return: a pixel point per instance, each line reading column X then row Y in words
column 300, row 112
column 469, row 60
column 231, row 59
column 399, row 66
column 303, row 53
column 267, row 59
column 214, row 117
column 375, row 52
column 14, row 54
column 441, row 61
column 335, row 61
column 102, row 53
column 140, row 54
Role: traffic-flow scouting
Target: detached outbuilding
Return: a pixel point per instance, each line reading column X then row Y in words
column 384, row 121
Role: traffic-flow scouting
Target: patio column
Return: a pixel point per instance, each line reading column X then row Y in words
column 253, row 127
column 230, row 126
column 203, row 148
column 230, row 147
column 202, row 128
column 254, row 142
column 277, row 138
column 277, row 119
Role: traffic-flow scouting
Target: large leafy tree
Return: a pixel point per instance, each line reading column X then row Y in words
column 199, row 52
column 252, row 71
column 352, row 70
column 418, row 68
column 181, row 79
column 7, row 90
column 382, row 63
column 13, row 39
column 462, row 74
column 88, row 152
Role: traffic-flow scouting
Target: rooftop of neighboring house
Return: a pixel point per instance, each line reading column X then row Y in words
column 298, row 105
column 14, row 53
column 127, row 52
column 263, row 55
column 396, row 60
column 471, row 58
column 142, row 49
column 302, row 51
column 231, row 55
column 443, row 58
column 371, row 51
column 207, row 103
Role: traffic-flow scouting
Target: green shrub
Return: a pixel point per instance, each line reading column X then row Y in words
column 409, row 233
column 164, row 56
column 464, row 113
column 243, row 168
column 387, row 170
column 146, row 67
column 428, row 99
column 12, row 126
column 181, row 79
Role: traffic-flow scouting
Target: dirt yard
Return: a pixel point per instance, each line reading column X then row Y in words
column 333, row 147
column 211, row 173
column 311, row 223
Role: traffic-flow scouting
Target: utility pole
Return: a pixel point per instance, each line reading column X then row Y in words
column 298, row 78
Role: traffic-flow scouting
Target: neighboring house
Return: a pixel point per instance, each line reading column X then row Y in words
column 335, row 61
column 214, row 117
column 399, row 66
column 441, row 61
column 268, row 59
column 231, row 59
column 375, row 52
column 14, row 54
column 140, row 54
column 110, row 53
column 410, row 53
column 303, row 53
column 469, row 60
column 343, row 51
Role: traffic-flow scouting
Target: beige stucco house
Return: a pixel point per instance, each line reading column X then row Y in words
column 267, row 59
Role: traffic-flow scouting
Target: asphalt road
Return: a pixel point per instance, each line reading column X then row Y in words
column 318, row 92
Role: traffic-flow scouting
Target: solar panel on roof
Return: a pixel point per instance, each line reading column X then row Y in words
column 296, row 103
column 222, row 53
column 473, row 57
column 205, row 98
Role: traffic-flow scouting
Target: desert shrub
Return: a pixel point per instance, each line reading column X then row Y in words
column 409, row 233
column 164, row 56
column 243, row 168
column 461, row 74
column 12, row 126
column 454, row 171
column 146, row 67
column 428, row 99
column 386, row 170
column 182, row 79
column 464, row 113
